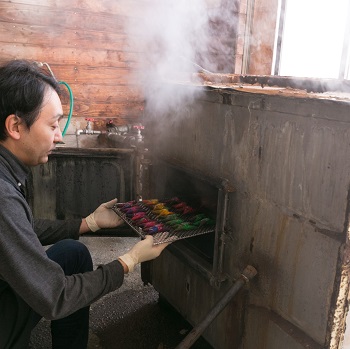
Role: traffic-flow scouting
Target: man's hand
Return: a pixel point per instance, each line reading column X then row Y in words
column 141, row 252
column 104, row 217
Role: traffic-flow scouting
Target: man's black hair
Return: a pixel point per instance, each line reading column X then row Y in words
column 22, row 88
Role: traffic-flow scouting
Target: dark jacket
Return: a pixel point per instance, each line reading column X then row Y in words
column 24, row 265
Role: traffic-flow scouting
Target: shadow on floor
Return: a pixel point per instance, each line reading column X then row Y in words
column 133, row 319
column 151, row 325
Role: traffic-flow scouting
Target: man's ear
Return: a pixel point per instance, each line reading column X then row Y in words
column 12, row 123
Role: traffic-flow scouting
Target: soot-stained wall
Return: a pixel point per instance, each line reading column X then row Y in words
column 287, row 158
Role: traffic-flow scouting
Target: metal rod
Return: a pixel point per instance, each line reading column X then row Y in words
column 276, row 68
column 219, row 267
column 248, row 273
column 345, row 53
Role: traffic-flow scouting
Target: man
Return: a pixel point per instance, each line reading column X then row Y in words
column 60, row 283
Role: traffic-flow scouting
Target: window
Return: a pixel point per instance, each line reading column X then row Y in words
column 313, row 39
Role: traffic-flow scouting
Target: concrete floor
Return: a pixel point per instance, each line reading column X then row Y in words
column 130, row 317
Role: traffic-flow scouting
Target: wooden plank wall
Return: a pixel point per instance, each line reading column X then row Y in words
column 262, row 40
column 85, row 44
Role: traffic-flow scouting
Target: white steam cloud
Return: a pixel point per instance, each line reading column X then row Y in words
column 171, row 40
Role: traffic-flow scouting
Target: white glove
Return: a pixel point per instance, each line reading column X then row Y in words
column 103, row 217
column 142, row 251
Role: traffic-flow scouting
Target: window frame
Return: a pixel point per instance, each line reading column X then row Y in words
column 344, row 72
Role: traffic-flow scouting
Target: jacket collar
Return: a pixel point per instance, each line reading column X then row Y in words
column 13, row 168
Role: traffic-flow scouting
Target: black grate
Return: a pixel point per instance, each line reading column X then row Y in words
column 194, row 222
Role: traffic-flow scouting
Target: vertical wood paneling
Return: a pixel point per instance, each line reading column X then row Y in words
column 262, row 37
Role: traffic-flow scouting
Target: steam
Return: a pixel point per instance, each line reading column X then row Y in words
column 172, row 41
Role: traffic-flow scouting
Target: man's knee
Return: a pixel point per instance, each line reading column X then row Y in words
column 72, row 255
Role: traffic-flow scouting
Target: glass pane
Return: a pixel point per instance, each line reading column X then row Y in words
column 313, row 38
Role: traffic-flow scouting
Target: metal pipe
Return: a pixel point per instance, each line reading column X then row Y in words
column 88, row 132
column 222, row 236
column 248, row 273
column 344, row 66
column 277, row 51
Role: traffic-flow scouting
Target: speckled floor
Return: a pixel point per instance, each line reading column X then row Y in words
column 128, row 318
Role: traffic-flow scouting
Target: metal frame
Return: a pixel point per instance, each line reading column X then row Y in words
column 212, row 272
